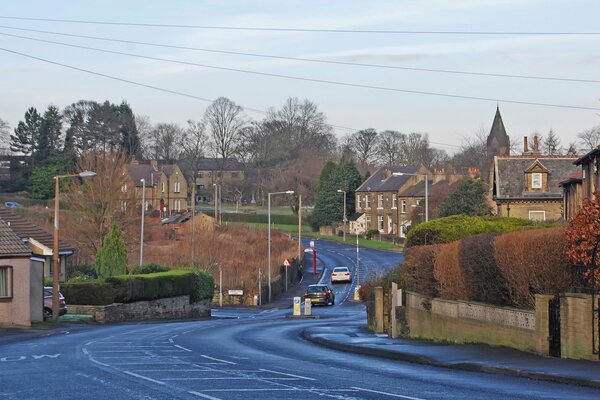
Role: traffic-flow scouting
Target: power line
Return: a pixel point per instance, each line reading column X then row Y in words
column 312, row 60
column 323, row 81
column 310, row 30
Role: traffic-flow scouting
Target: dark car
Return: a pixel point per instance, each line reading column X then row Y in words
column 320, row 294
column 62, row 305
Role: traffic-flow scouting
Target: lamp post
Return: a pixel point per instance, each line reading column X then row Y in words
column 55, row 256
column 426, row 191
column 142, row 229
column 343, row 191
column 269, row 221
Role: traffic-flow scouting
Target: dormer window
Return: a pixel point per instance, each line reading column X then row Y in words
column 536, row 180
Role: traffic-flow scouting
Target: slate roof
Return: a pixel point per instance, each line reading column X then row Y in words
column 25, row 229
column 588, row 157
column 355, row 216
column 577, row 178
column 379, row 183
column 498, row 136
column 217, row 164
column 143, row 171
column 10, row 243
column 509, row 180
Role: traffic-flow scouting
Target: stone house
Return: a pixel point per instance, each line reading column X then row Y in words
column 572, row 195
column 527, row 185
column 40, row 242
column 584, row 184
column 229, row 173
column 21, row 283
column 357, row 223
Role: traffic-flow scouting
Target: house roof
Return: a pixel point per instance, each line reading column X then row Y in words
column 577, row 178
column 218, row 164
column 10, row 243
column 382, row 179
column 498, row 136
column 355, row 216
column 143, row 171
column 509, row 175
column 25, row 230
column 589, row 156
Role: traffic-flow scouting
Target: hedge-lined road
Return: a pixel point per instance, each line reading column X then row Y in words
column 256, row 355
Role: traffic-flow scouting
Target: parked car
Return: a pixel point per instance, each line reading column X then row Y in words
column 62, row 305
column 12, row 204
column 320, row 294
column 341, row 274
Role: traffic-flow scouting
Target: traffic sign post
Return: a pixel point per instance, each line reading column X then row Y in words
column 314, row 249
column 286, row 264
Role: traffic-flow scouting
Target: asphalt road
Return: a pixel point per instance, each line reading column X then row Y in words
column 251, row 353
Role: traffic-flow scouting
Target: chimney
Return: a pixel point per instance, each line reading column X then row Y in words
column 525, row 145
column 154, row 164
column 387, row 174
column 536, row 145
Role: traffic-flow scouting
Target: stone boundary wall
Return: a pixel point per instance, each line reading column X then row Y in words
column 505, row 316
column 178, row 307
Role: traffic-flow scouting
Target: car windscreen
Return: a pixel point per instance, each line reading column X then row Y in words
column 316, row 289
column 341, row 270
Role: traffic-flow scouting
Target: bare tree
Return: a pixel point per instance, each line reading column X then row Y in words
column 389, row 145
column 4, row 135
column 145, row 128
column 572, row 149
column 166, row 141
column 364, row 145
column 225, row 120
column 193, row 143
column 551, row 144
column 589, row 139
column 472, row 153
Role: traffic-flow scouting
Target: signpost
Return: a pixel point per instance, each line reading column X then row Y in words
column 286, row 264
column 314, row 249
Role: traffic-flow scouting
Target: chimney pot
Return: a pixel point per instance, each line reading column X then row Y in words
column 525, row 145
column 535, row 144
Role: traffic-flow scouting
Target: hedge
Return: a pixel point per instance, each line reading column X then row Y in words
column 88, row 293
column 130, row 288
column 456, row 227
column 286, row 219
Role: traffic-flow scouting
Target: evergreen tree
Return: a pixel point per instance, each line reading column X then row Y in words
column 25, row 139
column 42, row 180
column 111, row 259
column 469, row 198
column 130, row 139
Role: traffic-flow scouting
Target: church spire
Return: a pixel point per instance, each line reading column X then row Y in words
column 498, row 142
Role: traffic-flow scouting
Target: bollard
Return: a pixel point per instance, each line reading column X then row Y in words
column 307, row 307
column 297, row 306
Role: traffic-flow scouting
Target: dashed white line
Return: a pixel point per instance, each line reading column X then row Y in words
column 205, row 396
column 216, row 359
column 388, row 394
column 286, row 374
column 144, row 377
column 182, row 348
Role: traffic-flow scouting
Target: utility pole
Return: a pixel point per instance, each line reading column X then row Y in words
column 299, row 227
column 142, row 228
column 193, row 214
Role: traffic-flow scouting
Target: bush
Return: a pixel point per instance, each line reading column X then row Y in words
column 456, row 227
column 417, row 270
column 483, row 279
column 371, row 233
column 448, row 272
column 533, row 262
column 286, row 219
column 83, row 273
column 88, row 293
column 148, row 269
column 205, row 286
column 130, row 288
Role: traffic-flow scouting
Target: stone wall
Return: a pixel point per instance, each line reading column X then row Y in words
column 178, row 307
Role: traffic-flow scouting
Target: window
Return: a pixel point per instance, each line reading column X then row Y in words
column 124, row 188
column 163, row 187
column 380, row 222
column 536, row 180
column 5, row 282
column 367, row 206
column 358, row 202
column 403, row 206
column 235, row 175
column 380, row 201
column 537, row 215
column 368, row 221
column 178, row 205
column 394, row 201
column 177, row 187
column 200, row 175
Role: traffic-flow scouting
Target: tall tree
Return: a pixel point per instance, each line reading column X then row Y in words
column 551, row 144
column 193, row 144
column 388, row 147
column 130, row 139
column 589, row 139
column 472, row 153
column 25, row 139
column 111, row 259
column 50, row 135
column 4, row 135
column 469, row 198
column 364, row 145
column 225, row 120
column 167, row 141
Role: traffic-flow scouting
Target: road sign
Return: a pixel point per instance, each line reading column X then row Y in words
column 312, row 243
column 286, row 263
column 297, row 305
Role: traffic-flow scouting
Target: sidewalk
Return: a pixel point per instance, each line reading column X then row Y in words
column 479, row 358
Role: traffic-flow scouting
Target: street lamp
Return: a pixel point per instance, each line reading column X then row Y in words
column 142, row 228
column 343, row 191
column 55, row 256
column 269, row 221
column 426, row 191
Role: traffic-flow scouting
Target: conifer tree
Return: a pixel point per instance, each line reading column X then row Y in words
column 111, row 259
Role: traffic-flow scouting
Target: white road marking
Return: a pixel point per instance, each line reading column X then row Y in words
column 205, row 396
column 172, row 370
column 182, row 348
column 233, row 378
column 85, row 351
column 388, row 394
column 283, row 373
column 144, row 377
column 216, row 359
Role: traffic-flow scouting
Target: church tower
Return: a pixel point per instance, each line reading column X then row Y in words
column 498, row 143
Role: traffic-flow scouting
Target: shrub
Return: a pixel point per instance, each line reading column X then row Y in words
column 130, row 288
column 88, row 293
column 417, row 270
column 148, row 269
column 112, row 257
column 456, row 227
column 483, row 279
column 205, row 284
column 371, row 233
column 533, row 262
column 448, row 272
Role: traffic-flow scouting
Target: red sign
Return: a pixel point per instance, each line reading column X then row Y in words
column 286, row 263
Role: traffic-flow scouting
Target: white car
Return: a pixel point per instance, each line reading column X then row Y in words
column 341, row 274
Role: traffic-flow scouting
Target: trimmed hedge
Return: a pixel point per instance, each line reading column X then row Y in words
column 88, row 293
column 456, row 227
column 286, row 219
column 130, row 288
column 148, row 269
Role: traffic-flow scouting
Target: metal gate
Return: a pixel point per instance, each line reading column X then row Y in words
column 596, row 324
column 554, row 327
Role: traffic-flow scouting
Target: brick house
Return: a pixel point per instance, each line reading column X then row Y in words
column 229, row 173
column 21, row 283
column 528, row 185
column 582, row 185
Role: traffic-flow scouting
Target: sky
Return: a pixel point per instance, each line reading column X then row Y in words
column 386, row 94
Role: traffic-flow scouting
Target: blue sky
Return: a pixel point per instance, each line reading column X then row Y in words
column 27, row 82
